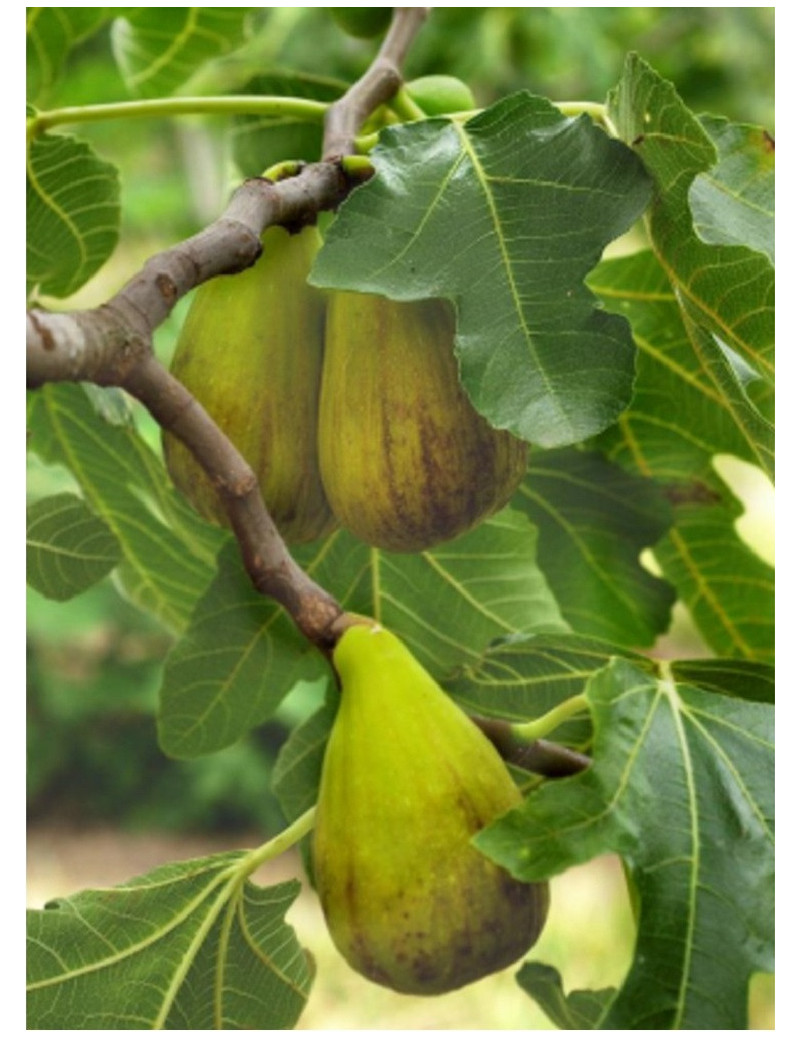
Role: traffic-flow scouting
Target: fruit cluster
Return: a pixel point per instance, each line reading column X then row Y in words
column 347, row 406
column 349, row 409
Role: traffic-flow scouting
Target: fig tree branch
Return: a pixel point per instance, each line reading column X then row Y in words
column 112, row 345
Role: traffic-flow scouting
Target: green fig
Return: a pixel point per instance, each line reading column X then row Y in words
column 438, row 95
column 362, row 22
column 407, row 780
column 250, row 351
column 406, row 461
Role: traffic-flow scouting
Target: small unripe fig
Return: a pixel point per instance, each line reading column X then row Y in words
column 406, row 460
column 438, row 95
column 407, row 780
column 250, row 351
column 362, row 22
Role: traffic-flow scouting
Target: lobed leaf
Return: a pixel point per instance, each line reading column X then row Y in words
column 728, row 289
column 678, row 421
column 682, row 787
column 69, row 547
column 72, row 213
column 191, row 945
column 504, row 215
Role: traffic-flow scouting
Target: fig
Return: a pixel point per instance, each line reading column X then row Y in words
column 250, row 350
column 437, row 95
column 362, row 22
column 407, row 780
column 406, row 460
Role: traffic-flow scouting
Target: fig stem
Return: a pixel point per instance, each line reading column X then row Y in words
column 159, row 108
column 406, row 107
column 537, row 728
column 281, row 170
column 276, row 846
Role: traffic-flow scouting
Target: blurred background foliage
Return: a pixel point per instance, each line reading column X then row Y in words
column 94, row 663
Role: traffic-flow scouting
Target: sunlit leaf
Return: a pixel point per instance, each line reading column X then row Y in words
column 505, row 215
column 69, row 547
column 158, row 48
column 51, row 33
column 682, row 787
column 191, row 945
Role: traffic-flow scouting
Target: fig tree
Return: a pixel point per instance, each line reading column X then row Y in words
column 407, row 780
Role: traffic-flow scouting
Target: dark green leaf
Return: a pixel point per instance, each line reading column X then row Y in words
column 504, row 215
column 72, row 211
column 582, row 1009
column 682, row 787
column 159, row 48
column 167, row 552
column 735, row 678
column 734, row 202
column 69, row 547
column 191, row 945
column 594, row 520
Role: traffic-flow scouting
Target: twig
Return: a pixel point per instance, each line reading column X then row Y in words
column 112, row 344
column 378, row 84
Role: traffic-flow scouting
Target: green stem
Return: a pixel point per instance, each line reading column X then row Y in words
column 403, row 105
column 595, row 109
column 538, row 728
column 245, row 104
column 279, row 844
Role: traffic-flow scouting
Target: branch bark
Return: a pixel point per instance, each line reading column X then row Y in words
column 112, row 345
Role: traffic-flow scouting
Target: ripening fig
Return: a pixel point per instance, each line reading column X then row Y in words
column 406, row 460
column 250, row 351
column 407, row 780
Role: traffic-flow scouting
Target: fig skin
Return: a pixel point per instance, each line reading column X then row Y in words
column 438, row 95
column 250, row 351
column 407, row 781
column 406, row 460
